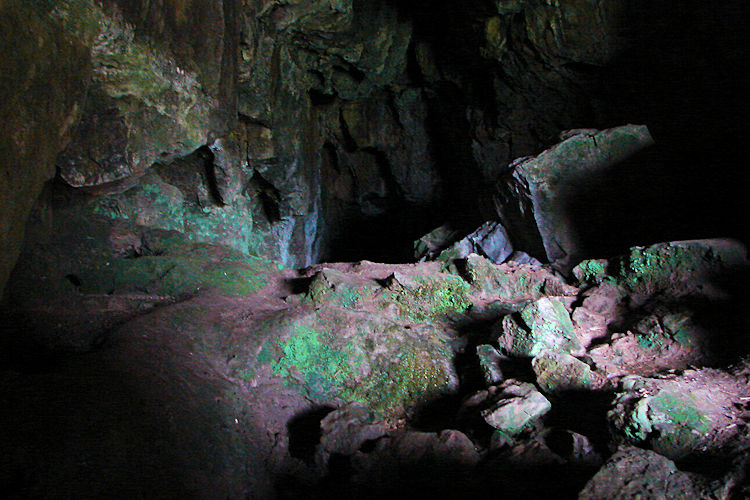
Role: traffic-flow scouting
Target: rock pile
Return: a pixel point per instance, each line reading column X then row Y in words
column 391, row 379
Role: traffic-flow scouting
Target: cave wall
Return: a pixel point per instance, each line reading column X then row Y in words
column 43, row 73
column 303, row 131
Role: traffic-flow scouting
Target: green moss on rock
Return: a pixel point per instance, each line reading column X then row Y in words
column 591, row 272
column 678, row 267
column 338, row 355
column 427, row 299
column 310, row 358
column 557, row 371
column 202, row 267
column 671, row 423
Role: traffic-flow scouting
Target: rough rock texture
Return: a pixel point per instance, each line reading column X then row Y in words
column 354, row 123
column 152, row 346
column 559, row 371
column 226, row 373
column 43, row 78
column 679, row 415
column 490, row 240
column 544, row 324
column 517, row 407
column 535, row 198
column 636, row 473
column 163, row 84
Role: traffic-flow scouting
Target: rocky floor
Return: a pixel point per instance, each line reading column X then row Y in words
column 139, row 364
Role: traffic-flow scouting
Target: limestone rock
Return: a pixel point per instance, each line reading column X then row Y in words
column 429, row 246
column 557, row 371
column 695, row 412
column 636, row 473
column 228, row 174
column 542, row 325
column 335, row 354
column 153, row 96
column 680, row 268
column 345, row 430
column 429, row 298
column 490, row 240
column 44, row 72
column 488, row 363
column 443, row 459
column 519, row 406
column 512, row 283
column 336, row 287
column 532, row 198
column 523, row 258
column 591, row 271
column 179, row 197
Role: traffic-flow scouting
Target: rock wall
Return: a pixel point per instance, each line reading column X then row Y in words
column 342, row 129
column 43, row 74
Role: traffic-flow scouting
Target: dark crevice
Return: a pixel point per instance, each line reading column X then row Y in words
column 269, row 196
column 209, row 170
column 319, row 98
column 413, row 71
column 349, row 143
column 75, row 280
column 356, row 74
column 304, row 433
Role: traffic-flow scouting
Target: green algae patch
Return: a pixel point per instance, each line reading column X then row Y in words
column 678, row 268
column 591, row 272
column 654, row 268
column 337, row 355
column 423, row 299
column 397, row 386
column 671, row 423
column 311, row 359
column 173, row 266
column 335, row 287
column 158, row 204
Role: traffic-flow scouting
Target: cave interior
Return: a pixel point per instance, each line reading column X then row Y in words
column 339, row 248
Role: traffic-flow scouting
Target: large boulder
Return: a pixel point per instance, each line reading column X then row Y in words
column 337, row 355
column 687, row 415
column 534, row 197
